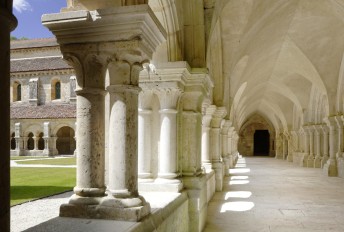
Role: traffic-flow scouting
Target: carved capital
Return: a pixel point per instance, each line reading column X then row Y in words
column 168, row 97
column 145, row 99
column 218, row 117
column 89, row 61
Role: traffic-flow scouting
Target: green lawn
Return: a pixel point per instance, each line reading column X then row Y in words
column 56, row 161
column 33, row 183
column 27, row 157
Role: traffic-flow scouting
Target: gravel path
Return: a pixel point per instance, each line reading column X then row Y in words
column 33, row 213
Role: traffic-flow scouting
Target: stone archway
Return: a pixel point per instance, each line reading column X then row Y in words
column 30, row 142
column 40, row 141
column 65, row 143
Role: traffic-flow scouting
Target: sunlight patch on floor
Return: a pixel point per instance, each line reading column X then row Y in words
column 233, row 182
column 237, row 206
column 240, row 170
column 238, row 194
column 239, row 177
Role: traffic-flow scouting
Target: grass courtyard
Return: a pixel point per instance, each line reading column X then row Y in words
column 32, row 183
column 55, row 161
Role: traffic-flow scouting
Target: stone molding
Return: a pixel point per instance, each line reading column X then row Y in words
column 107, row 25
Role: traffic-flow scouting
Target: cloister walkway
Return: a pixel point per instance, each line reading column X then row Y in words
column 270, row 195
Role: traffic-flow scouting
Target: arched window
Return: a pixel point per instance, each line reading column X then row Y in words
column 40, row 142
column 30, row 142
column 17, row 91
column 58, row 90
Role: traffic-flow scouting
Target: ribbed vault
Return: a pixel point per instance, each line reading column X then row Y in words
column 280, row 59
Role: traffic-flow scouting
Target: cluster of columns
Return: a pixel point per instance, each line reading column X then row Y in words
column 109, row 51
column 165, row 176
column 8, row 22
column 219, row 143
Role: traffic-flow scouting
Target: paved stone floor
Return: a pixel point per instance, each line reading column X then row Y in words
column 269, row 195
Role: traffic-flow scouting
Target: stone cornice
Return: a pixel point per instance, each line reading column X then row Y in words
column 105, row 25
column 36, row 49
column 43, row 73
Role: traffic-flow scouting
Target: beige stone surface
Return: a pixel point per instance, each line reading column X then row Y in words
column 266, row 194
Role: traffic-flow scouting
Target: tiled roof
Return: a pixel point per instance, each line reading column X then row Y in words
column 39, row 64
column 33, row 43
column 45, row 111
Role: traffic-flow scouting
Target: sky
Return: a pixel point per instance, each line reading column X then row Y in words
column 29, row 13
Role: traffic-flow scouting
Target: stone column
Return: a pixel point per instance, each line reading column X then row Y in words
column 123, row 194
column 215, row 146
column 284, row 146
column 168, row 160
column 310, row 160
column 339, row 121
column 8, row 22
column 144, row 138
column 19, row 139
column 90, row 63
column 330, row 168
column 292, row 145
column 225, row 151
column 35, row 138
column 190, row 138
column 208, row 114
column 325, row 157
column 125, row 37
column 317, row 159
column 230, row 147
column 279, row 146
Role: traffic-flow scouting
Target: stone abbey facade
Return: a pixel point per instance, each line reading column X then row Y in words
column 43, row 100
column 169, row 92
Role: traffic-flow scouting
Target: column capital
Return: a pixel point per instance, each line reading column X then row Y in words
column 6, row 15
column 218, row 117
column 339, row 120
column 225, row 127
column 325, row 128
column 331, row 121
column 168, row 97
column 145, row 98
column 208, row 115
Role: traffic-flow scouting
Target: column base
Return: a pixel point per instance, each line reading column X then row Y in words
column 330, row 168
column 339, row 155
column 290, row 158
column 218, row 168
column 324, row 161
column 196, row 187
column 310, row 161
column 161, row 185
column 317, row 161
column 226, row 166
column 127, row 209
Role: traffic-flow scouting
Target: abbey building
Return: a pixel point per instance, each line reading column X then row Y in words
column 43, row 100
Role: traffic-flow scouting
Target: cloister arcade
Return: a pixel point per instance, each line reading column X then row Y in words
column 168, row 92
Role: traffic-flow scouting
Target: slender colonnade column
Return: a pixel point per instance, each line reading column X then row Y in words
column 330, row 168
column 144, row 141
column 339, row 121
column 317, row 159
column 325, row 156
column 206, row 158
column 168, row 160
